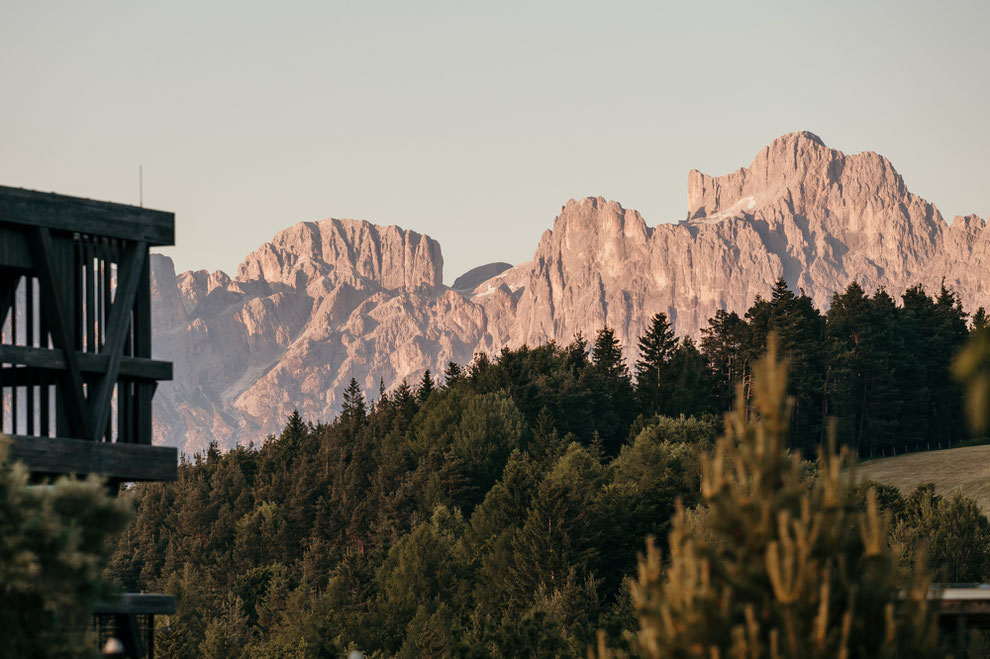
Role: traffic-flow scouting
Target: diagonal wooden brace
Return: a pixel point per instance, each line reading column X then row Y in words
column 53, row 303
column 128, row 278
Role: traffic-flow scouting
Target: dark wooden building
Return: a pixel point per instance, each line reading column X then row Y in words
column 76, row 373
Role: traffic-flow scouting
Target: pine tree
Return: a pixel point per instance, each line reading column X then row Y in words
column 576, row 354
column 685, row 384
column 888, row 378
column 613, row 396
column 801, row 329
column 286, row 446
column 980, row 320
column 480, row 365
column 722, row 345
column 405, row 400
column 426, row 387
column 606, row 355
column 783, row 569
column 452, row 374
column 936, row 331
column 656, row 348
column 295, row 427
column 353, row 411
column 848, row 382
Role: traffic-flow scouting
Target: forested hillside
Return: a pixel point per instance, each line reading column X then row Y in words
column 499, row 507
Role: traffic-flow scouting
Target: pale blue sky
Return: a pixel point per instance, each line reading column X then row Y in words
column 472, row 122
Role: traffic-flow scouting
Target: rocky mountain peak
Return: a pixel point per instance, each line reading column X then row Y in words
column 352, row 251
column 800, row 170
column 332, row 300
column 596, row 220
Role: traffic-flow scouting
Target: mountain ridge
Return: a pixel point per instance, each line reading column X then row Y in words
column 334, row 299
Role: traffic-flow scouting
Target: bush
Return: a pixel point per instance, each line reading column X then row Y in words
column 787, row 570
column 52, row 555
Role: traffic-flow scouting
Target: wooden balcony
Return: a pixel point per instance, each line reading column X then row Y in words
column 76, row 373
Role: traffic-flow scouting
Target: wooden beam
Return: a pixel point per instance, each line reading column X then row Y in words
column 53, row 303
column 126, row 629
column 14, row 252
column 144, row 391
column 128, row 276
column 75, row 214
column 116, row 461
column 132, row 368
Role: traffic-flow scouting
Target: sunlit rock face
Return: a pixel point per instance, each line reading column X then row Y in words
column 327, row 301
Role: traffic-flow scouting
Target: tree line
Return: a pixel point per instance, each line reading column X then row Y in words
column 497, row 509
column 881, row 369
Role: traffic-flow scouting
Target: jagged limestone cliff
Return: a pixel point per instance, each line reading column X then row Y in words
column 327, row 301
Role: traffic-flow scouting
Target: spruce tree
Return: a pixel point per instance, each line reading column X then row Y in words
column 722, row 345
column 452, row 374
column 686, row 385
column 801, row 329
column 405, row 400
column 937, row 330
column 295, row 427
column 980, row 320
column 353, row 411
column 848, row 383
column 426, row 387
column 612, row 400
column 656, row 348
column 286, row 446
column 606, row 355
column 576, row 354
column 784, row 568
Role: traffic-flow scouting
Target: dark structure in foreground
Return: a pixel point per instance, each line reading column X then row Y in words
column 76, row 373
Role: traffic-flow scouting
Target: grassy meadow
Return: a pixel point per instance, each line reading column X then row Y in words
column 965, row 470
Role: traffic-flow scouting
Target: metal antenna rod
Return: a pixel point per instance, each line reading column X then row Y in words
column 141, row 185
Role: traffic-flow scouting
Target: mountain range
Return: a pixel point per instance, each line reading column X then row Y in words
column 330, row 300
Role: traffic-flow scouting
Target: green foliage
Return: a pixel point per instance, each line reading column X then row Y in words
column 880, row 369
column 800, row 328
column 722, row 344
column 612, row 401
column 417, row 576
column 656, row 349
column 701, row 431
column 787, row 569
column 52, row 556
column 686, row 385
column 500, row 512
column 426, row 387
column 953, row 531
column 453, row 373
column 481, row 518
column 490, row 428
column 353, row 411
column 980, row 320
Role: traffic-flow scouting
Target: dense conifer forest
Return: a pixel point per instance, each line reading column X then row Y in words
column 498, row 508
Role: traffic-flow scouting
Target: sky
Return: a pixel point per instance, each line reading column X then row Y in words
column 472, row 122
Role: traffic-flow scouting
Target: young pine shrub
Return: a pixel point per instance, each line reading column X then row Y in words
column 786, row 567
